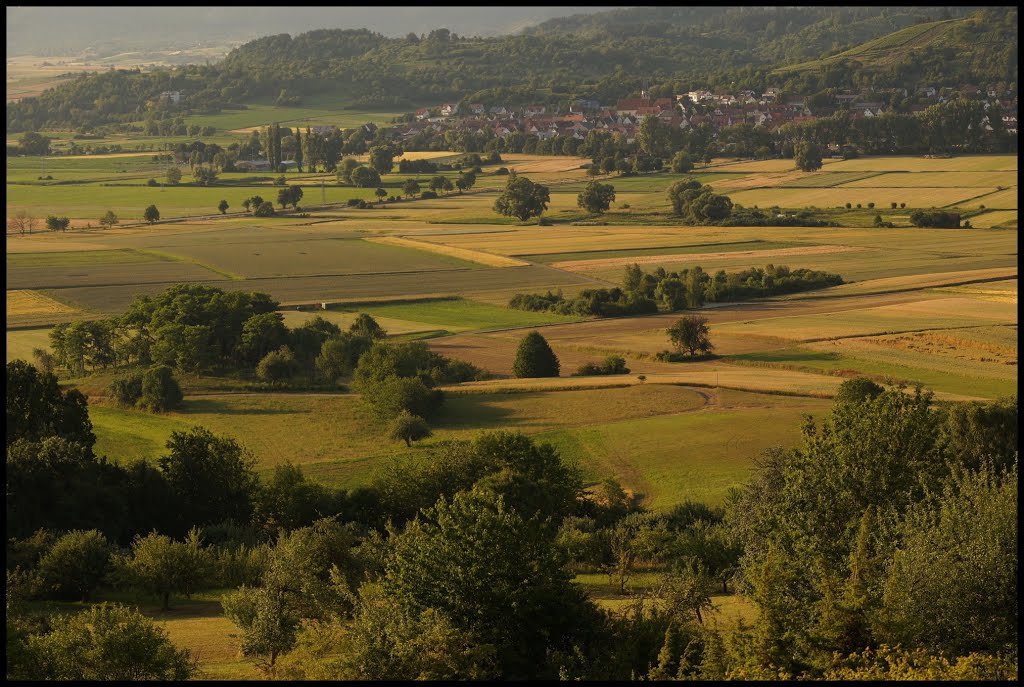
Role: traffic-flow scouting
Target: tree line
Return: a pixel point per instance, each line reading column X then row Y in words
column 643, row 292
column 883, row 544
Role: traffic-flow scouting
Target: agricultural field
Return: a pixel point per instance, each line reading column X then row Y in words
column 929, row 306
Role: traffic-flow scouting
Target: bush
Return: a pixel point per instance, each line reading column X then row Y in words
column 152, row 182
column 612, row 365
column 126, row 391
column 857, row 390
column 428, row 195
column 76, row 564
column 893, row 205
column 849, row 205
column 501, row 171
column 280, row 181
column 277, row 366
column 265, row 209
column 160, row 390
column 871, row 206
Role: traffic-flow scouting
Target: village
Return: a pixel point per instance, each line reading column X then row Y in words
column 769, row 110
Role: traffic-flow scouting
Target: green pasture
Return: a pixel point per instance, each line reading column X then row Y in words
column 129, row 201
column 342, row 442
column 459, row 314
column 688, row 456
column 932, row 372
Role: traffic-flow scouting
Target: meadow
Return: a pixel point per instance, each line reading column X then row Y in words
column 444, row 269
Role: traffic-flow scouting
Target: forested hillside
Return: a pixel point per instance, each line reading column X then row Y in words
column 603, row 56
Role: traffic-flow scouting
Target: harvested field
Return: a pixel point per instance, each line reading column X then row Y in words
column 929, row 313
column 835, row 197
column 21, row 303
column 1000, row 200
column 488, row 259
column 1000, row 292
column 541, row 164
column 761, row 166
column 605, row 263
column 998, row 218
column 935, row 179
column 914, row 281
column 904, row 163
column 426, row 154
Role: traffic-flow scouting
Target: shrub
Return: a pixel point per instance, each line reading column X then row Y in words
column 126, row 391
column 280, row 181
column 871, row 206
column 501, row 171
column 428, row 195
column 160, row 390
column 858, row 206
column 903, row 205
column 265, row 209
column 277, row 366
column 893, row 205
column 612, row 365
column 152, row 182
column 849, row 205
column 76, row 564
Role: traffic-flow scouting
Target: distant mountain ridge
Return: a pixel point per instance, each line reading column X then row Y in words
column 603, row 56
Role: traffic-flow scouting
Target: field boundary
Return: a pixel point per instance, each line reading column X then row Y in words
column 477, row 256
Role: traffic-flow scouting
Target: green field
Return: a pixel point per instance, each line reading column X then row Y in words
column 663, row 441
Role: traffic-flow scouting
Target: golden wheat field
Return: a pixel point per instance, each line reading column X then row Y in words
column 882, row 198
column 24, row 302
column 996, row 218
column 477, row 256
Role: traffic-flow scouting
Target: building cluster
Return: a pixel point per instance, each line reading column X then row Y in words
column 770, row 110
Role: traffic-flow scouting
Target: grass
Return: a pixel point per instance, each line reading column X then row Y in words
column 696, row 456
column 21, row 342
column 343, row 443
column 458, row 315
